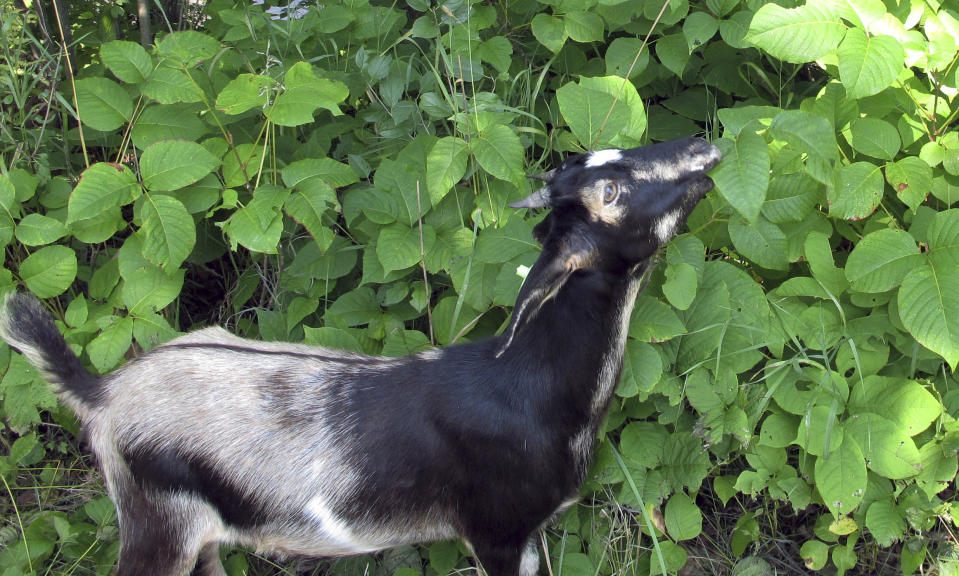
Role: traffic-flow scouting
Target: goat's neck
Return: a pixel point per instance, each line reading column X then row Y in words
column 579, row 338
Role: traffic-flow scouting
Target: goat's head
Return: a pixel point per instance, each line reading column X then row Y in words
column 611, row 211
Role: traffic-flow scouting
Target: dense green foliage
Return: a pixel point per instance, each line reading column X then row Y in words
column 342, row 179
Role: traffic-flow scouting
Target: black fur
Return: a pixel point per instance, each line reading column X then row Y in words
column 35, row 327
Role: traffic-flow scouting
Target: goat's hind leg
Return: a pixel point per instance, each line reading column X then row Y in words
column 509, row 559
column 160, row 536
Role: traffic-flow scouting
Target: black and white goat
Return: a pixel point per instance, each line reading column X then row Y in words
column 212, row 439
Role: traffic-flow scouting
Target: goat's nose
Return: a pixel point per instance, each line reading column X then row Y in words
column 707, row 155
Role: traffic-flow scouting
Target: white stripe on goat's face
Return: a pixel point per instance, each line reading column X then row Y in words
column 600, row 157
column 666, row 226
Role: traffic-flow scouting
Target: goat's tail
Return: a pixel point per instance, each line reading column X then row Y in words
column 27, row 327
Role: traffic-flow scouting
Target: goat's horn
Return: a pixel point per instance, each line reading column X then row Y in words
column 538, row 199
column 544, row 176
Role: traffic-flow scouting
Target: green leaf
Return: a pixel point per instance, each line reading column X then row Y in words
column 244, row 92
column 353, row 308
column 127, row 60
column 550, row 31
column 905, row 402
column 876, row 138
column 167, row 122
column 445, row 166
column 583, row 26
column 763, row 243
column 498, row 245
column 888, row 449
column 496, row 51
column 326, row 170
column 684, row 521
column 868, row 64
column 911, row 178
column 188, row 48
column 585, row 106
column 881, row 260
column 815, row 554
column 107, row 349
column 885, row 522
column 620, row 55
column 778, row 430
column 856, row 191
column 102, row 187
column 102, row 104
column 49, row 271
column 172, row 164
column 841, row 478
column 654, row 321
column 797, row 35
column 929, row 309
column 673, row 53
column 304, row 93
column 307, row 205
column 642, row 369
column 742, row 176
column 805, row 132
column 398, row 246
column 698, row 29
column 499, row 151
column 168, row 233
column 37, row 230
column 819, row 255
column 259, row 224
column 169, row 86
column 680, row 285
column 148, row 289
column 444, row 556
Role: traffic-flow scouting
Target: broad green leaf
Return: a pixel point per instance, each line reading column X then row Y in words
column 168, row 233
column 241, row 165
column 943, row 239
column 398, row 246
column 642, row 369
column 188, row 48
column 127, row 60
column 742, row 176
column 841, row 478
column 49, row 271
column 673, row 53
column 905, row 402
column 680, row 286
column 498, row 245
column 791, row 198
column 37, row 230
column 654, row 321
column 172, row 164
column 620, row 55
column 911, row 178
column 151, row 330
column 778, row 430
column 856, row 191
column 167, row 122
column 444, row 556
column 583, row 26
column 814, row 554
column 445, row 166
column 806, row 132
column 873, row 137
column 868, row 64
column 819, row 432
column 888, row 449
column 684, row 520
column 706, row 320
column 699, row 28
column 819, row 255
column 169, row 86
column 244, row 92
column 77, row 312
column 497, row 52
column 326, row 170
column 929, row 309
column 797, row 35
column 102, row 187
column 353, row 308
column 499, row 151
column 102, row 104
column 107, row 349
column 304, row 93
column 884, row 522
column 762, row 242
column 586, row 106
column 148, row 289
column 550, row 31
column 881, row 260
column 258, row 225
column 307, row 204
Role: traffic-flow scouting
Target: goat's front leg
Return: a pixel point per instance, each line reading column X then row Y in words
column 508, row 558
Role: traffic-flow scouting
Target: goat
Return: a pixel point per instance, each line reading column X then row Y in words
column 293, row 449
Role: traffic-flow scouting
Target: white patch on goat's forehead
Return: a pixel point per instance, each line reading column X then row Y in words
column 601, row 157
column 666, row 226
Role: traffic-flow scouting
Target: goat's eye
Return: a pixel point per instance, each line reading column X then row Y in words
column 610, row 192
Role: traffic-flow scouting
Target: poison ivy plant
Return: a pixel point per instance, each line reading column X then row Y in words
column 341, row 176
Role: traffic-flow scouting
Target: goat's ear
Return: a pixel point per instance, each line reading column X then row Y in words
column 554, row 267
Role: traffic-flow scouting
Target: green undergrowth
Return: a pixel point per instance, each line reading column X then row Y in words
column 788, row 400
